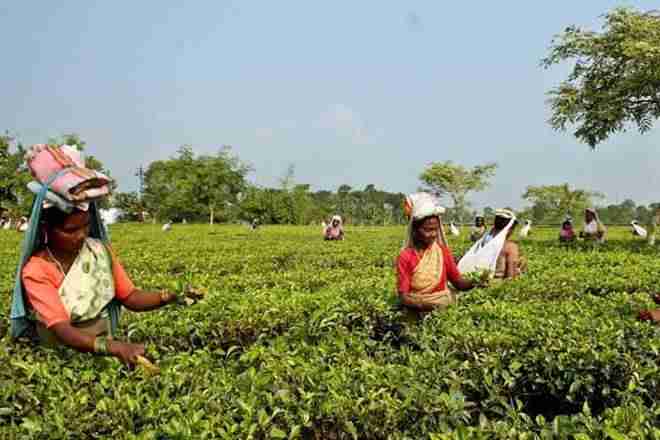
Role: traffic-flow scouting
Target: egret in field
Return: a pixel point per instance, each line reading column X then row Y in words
column 454, row 230
column 22, row 224
column 167, row 226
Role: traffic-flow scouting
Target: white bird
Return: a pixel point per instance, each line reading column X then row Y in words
column 454, row 230
column 7, row 225
column 525, row 230
column 167, row 226
column 23, row 224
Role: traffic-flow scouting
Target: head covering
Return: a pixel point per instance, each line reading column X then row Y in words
column 505, row 213
column 79, row 192
column 73, row 182
column 419, row 206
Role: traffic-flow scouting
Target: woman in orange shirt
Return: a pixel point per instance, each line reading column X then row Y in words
column 70, row 284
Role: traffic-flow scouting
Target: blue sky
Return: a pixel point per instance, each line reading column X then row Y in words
column 349, row 92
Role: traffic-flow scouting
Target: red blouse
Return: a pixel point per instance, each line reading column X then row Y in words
column 408, row 260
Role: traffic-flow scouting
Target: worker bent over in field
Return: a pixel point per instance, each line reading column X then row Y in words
column 495, row 254
column 335, row 230
column 510, row 262
column 479, row 228
column 70, row 285
column 593, row 230
column 425, row 264
column 651, row 315
column 567, row 233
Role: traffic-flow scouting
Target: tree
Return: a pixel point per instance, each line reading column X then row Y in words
column 615, row 80
column 456, row 182
column 130, row 205
column 191, row 187
column 15, row 198
column 550, row 203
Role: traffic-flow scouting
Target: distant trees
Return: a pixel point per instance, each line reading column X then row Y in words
column 187, row 186
column 615, row 79
column 551, row 203
column 15, row 198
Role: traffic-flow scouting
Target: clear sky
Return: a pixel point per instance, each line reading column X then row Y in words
column 352, row 92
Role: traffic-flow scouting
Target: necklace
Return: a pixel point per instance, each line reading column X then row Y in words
column 57, row 262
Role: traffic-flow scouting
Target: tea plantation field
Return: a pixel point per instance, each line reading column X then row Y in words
column 299, row 338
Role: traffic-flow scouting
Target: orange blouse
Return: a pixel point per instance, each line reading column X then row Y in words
column 42, row 279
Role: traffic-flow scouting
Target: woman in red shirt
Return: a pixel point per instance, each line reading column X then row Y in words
column 426, row 264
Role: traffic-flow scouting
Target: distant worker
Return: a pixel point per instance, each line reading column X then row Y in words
column 335, row 230
column 479, row 228
column 454, row 230
column 652, row 315
column 567, row 233
column 254, row 225
column 7, row 224
column 653, row 227
column 426, row 264
column 593, row 229
column 524, row 232
column 637, row 230
column 495, row 251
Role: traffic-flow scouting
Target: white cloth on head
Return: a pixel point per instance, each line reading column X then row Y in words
column 419, row 206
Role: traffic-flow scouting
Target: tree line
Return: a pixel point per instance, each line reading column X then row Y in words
column 214, row 188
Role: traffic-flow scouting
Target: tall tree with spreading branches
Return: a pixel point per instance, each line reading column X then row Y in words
column 615, row 79
column 456, row 182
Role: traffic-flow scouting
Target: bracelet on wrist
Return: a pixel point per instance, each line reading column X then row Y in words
column 164, row 297
column 101, row 345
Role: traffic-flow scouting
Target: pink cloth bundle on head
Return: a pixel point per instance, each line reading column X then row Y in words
column 77, row 184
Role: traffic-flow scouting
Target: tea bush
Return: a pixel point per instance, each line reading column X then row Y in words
column 301, row 338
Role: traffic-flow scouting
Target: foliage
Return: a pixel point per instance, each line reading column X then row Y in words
column 300, row 206
column 457, row 181
column 300, row 338
column 189, row 186
column 14, row 195
column 615, row 78
column 551, row 203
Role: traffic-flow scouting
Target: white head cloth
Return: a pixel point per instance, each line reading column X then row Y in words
column 419, row 206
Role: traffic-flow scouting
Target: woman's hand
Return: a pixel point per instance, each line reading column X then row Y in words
column 125, row 351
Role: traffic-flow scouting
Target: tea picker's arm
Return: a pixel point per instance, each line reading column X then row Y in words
column 142, row 301
column 74, row 338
